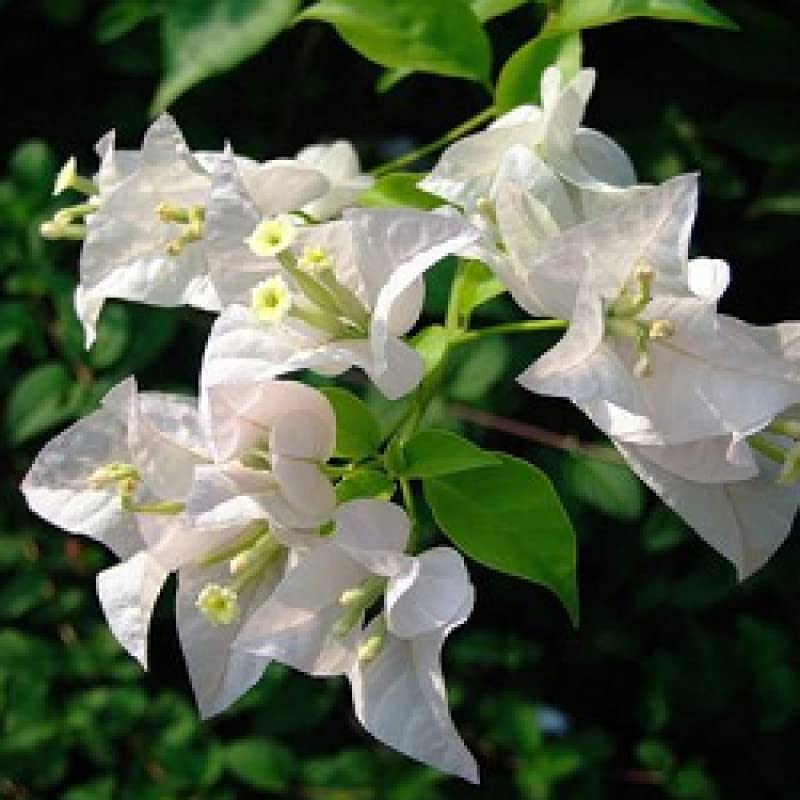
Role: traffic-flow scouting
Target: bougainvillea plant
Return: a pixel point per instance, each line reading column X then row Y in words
column 289, row 516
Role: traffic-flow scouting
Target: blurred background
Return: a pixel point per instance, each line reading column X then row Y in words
column 679, row 683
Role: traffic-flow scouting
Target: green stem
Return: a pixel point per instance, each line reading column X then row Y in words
column 525, row 326
column 767, row 448
column 442, row 141
column 408, row 502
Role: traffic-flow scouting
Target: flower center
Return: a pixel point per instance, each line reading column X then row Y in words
column 623, row 319
column 317, row 297
column 780, row 442
column 249, row 557
column 355, row 602
column 191, row 218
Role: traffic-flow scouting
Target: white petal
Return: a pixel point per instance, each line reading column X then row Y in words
column 578, row 365
column 399, row 697
column 653, row 228
column 306, row 490
column 241, row 346
column 339, row 162
column 427, row 598
column 713, row 377
column 283, row 185
column 219, row 674
column 374, row 533
column 128, row 592
column 88, row 307
column 745, row 521
column 709, row 278
column 707, row 461
column 166, row 443
column 295, row 625
column 227, row 495
column 57, row 489
column 403, row 369
column 242, row 416
column 466, row 169
column 231, row 217
column 565, row 114
column 605, row 163
column 410, row 242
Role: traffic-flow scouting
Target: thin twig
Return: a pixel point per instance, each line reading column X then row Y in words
column 533, row 433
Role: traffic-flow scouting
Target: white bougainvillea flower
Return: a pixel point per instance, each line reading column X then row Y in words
column 137, row 449
column 223, row 575
column 645, row 357
column 339, row 163
column 736, row 502
column 356, row 289
column 269, row 442
column 121, row 475
column 585, row 158
column 314, row 621
column 146, row 239
column 397, row 683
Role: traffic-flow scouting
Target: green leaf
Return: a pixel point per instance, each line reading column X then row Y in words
column 439, row 36
column 358, row 434
column 433, row 453
column 574, row 15
column 43, row 398
column 489, row 9
column 484, row 11
column 478, row 286
column 261, row 763
column 521, row 77
column 509, row 518
column 399, row 189
column 113, row 332
column 607, row 487
column 364, row 483
column 431, row 343
column 482, row 368
column 122, row 17
column 200, row 40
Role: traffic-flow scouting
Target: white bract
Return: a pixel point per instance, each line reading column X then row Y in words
column 646, row 358
column 339, row 163
column 315, row 621
column 349, row 291
column 585, row 158
column 732, row 496
column 223, row 575
column 145, row 233
column 269, row 442
column 120, row 476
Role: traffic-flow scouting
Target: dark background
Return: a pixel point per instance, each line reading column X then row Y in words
column 679, row 683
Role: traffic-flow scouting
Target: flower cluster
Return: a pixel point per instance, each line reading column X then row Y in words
column 234, row 492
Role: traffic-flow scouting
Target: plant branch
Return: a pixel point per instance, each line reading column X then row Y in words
column 442, row 141
column 524, row 326
column 533, row 433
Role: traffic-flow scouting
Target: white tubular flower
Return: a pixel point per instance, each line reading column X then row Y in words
column 585, row 158
column 314, row 622
column 120, row 476
column 649, row 361
column 351, row 303
column 729, row 494
column 269, row 442
column 339, row 163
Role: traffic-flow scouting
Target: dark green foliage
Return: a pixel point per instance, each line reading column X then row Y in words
column 679, row 683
